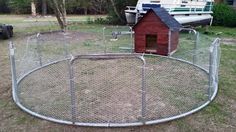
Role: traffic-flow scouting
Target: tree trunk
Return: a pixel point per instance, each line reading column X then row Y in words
column 44, row 7
column 85, row 11
column 64, row 12
column 60, row 12
column 116, row 11
column 33, row 9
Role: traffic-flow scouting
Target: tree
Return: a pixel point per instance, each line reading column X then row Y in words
column 44, row 7
column 4, row 7
column 85, row 4
column 224, row 15
column 99, row 6
column 74, row 5
column 33, row 8
column 19, row 6
column 59, row 8
column 116, row 11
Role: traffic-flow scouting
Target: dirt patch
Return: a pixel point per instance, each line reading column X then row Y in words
column 229, row 41
column 110, row 90
column 13, row 119
column 69, row 36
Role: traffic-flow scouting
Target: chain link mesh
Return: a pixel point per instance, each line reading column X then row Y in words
column 173, row 87
column 90, row 78
column 108, row 90
column 46, row 91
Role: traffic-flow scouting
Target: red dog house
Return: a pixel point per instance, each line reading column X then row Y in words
column 156, row 32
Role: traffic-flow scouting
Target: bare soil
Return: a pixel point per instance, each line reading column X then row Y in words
column 229, row 41
column 13, row 119
column 110, row 90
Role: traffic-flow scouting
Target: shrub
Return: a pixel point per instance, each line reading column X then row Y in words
column 120, row 7
column 4, row 7
column 224, row 15
column 19, row 6
column 89, row 20
column 100, row 21
column 97, row 21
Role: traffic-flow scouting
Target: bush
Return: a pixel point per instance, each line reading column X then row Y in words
column 101, row 21
column 120, row 6
column 224, row 15
column 89, row 20
column 4, row 7
column 20, row 6
column 96, row 21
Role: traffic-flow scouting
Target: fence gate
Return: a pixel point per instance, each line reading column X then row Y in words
column 108, row 89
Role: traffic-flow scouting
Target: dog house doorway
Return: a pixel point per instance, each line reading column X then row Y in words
column 151, row 43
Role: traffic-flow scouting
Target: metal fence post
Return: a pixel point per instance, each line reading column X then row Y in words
column 216, row 54
column 13, row 71
column 66, row 51
column 72, row 91
column 213, row 67
column 131, row 39
column 210, row 72
column 218, row 60
column 143, row 89
column 169, row 43
column 104, row 40
column 195, row 47
column 39, row 49
column 137, row 16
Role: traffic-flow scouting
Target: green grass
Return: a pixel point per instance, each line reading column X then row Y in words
column 228, row 71
column 219, row 115
column 184, row 126
column 217, row 31
column 216, row 109
column 25, row 24
column 21, row 120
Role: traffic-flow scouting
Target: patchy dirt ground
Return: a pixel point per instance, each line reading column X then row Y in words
column 229, row 41
column 109, row 90
column 219, row 116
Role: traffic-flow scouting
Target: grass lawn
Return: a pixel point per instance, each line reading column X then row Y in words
column 220, row 115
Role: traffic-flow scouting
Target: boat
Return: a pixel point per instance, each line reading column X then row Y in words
column 186, row 12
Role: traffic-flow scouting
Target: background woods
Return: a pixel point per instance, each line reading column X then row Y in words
column 114, row 9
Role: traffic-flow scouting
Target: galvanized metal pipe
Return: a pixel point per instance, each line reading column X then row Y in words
column 195, row 48
column 39, row 49
column 114, row 124
column 65, row 45
column 131, row 38
column 210, row 73
column 72, row 92
column 104, row 39
column 143, row 110
column 13, row 71
column 169, row 43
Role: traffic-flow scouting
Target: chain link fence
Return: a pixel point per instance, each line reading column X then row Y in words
column 95, row 79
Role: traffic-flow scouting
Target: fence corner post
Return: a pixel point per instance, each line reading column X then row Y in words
column 39, row 49
column 143, row 110
column 72, row 91
column 104, row 39
column 13, row 70
column 195, row 57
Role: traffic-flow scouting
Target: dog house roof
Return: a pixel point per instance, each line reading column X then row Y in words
column 165, row 18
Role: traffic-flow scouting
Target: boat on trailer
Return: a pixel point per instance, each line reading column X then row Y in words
column 186, row 12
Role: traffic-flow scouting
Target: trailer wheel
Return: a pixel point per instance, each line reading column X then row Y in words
column 10, row 30
column 5, row 33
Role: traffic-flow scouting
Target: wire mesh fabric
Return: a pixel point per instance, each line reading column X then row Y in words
column 97, row 80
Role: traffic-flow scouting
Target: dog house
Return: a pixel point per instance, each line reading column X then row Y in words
column 156, row 32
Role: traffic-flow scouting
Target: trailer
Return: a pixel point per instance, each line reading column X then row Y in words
column 186, row 12
column 6, row 31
